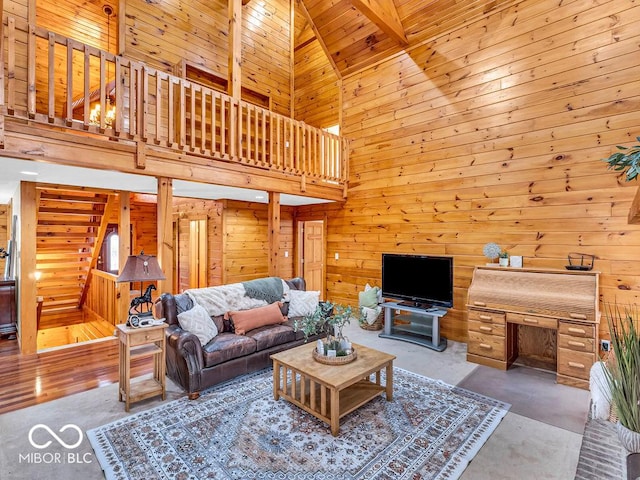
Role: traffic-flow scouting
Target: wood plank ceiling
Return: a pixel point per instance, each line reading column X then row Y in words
column 355, row 34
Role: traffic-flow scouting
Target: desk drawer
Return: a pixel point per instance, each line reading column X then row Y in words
column 487, row 328
column 532, row 320
column 576, row 330
column 575, row 364
column 486, row 316
column 491, row 346
column 577, row 344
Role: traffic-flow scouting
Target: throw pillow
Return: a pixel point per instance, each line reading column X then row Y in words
column 245, row 320
column 198, row 322
column 303, row 302
column 368, row 298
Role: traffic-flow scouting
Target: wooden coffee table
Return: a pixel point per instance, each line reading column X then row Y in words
column 329, row 392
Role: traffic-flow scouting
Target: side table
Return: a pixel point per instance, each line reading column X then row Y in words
column 140, row 343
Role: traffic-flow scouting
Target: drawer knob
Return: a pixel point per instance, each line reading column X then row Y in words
column 486, row 317
column 573, row 343
column 530, row 320
column 581, row 331
column 485, row 346
column 576, row 365
column 485, row 329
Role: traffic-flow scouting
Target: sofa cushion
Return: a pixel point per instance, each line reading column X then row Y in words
column 302, row 302
column 225, row 347
column 198, row 322
column 272, row 335
column 245, row 320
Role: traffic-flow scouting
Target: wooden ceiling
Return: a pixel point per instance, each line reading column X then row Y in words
column 357, row 33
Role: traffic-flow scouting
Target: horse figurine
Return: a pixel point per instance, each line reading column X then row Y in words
column 144, row 299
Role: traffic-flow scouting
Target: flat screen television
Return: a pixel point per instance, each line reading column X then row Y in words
column 421, row 281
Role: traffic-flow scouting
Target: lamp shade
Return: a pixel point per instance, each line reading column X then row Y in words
column 141, row 268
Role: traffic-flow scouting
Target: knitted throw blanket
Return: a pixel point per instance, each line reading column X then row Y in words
column 268, row 289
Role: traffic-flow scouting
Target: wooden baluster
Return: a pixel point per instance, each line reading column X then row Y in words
column 171, row 134
column 144, row 98
column 51, row 104
column 86, row 106
column 31, row 72
column 119, row 96
column 11, row 65
column 182, row 121
column 103, row 91
column 159, row 97
column 203, row 121
column 69, row 118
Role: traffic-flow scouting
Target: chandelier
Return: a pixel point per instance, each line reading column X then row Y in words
column 95, row 114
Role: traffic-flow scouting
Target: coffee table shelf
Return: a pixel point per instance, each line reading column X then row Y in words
column 329, row 392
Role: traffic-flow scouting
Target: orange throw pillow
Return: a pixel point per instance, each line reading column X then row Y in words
column 245, row 320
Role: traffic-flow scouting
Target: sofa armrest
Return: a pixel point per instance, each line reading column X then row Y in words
column 187, row 345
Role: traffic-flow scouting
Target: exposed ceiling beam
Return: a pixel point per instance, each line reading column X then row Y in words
column 304, row 10
column 385, row 15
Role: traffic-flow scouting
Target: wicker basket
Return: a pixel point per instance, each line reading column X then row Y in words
column 334, row 360
column 376, row 325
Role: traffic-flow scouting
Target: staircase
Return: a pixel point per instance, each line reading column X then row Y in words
column 68, row 237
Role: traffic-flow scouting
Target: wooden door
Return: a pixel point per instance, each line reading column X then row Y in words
column 313, row 255
column 198, row 253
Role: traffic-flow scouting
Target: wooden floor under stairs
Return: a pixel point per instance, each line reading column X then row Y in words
column 75, row 333
column 33, row 379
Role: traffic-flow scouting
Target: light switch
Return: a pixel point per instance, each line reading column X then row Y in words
column 286, row 254
column 337, row 256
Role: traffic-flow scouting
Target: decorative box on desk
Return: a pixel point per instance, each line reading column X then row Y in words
column 144, row 342
column 414, row 324
column 541, row 317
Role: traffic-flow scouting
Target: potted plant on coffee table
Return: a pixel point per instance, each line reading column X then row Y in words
column 330, row 318
column 622, row 372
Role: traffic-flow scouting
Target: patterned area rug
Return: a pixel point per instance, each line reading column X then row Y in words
column 430, row 430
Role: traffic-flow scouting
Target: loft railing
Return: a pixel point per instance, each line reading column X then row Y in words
column 54, row 80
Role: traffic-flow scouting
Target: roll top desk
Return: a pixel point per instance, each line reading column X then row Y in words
column 538, row 317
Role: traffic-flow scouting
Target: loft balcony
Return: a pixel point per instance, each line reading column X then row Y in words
column 67, row 102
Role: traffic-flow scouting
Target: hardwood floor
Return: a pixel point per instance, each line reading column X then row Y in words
column 29, row 380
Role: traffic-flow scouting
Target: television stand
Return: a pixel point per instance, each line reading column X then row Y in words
column 417, row 325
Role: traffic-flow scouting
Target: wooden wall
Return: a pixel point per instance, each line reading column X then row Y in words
column 237, row 239
column 316, row 92
column 186, row 210
column 162, row 34
column 245, row 241
column 494, row 131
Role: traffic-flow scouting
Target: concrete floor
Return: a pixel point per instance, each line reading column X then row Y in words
column 521, row 447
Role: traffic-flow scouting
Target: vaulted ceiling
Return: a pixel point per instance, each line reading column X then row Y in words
column 357, row 33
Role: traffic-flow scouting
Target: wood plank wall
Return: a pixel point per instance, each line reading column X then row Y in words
column 186, row 210
column 236, row 232
column 163, row 33
column 245, row 237
column 494, row 131
column 316, row 92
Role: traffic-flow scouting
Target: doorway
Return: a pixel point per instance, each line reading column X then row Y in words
column 311, row 253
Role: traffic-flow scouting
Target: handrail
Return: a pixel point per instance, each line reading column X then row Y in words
column 154, row 107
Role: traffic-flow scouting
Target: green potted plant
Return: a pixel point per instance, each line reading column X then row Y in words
column 503, row 258
column 327, row 317
column 626, row 158
column 622, row 373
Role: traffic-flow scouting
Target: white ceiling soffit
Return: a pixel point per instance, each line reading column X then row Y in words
column 12, row 171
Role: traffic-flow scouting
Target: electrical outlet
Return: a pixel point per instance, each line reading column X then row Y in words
column 605, row 345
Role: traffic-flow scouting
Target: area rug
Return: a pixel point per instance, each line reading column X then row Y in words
column 431, row 430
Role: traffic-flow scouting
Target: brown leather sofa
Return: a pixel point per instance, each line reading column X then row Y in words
column 195, row 367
